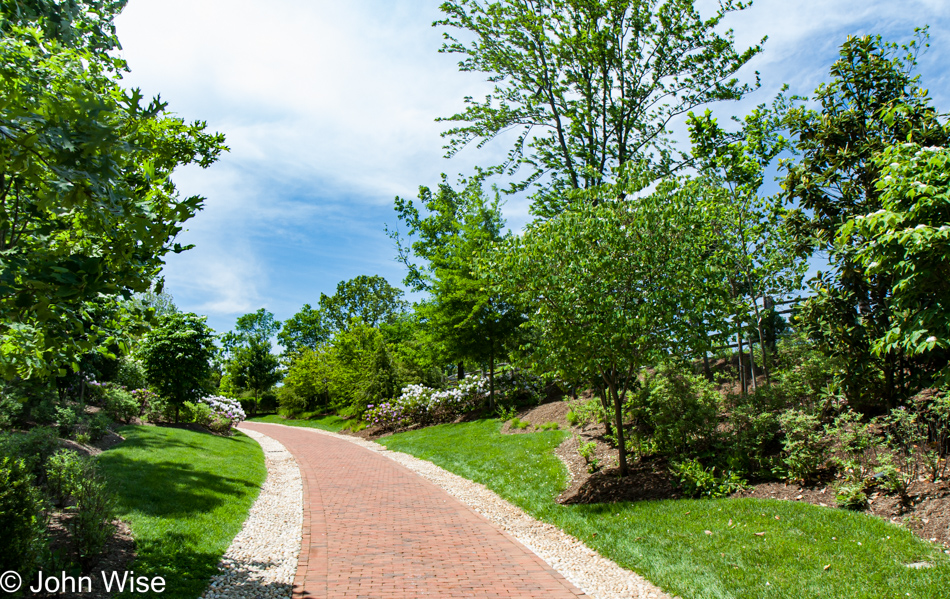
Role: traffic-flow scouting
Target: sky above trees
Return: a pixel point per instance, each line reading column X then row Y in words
column 329, row 111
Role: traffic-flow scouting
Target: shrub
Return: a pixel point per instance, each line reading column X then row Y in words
column 586, row 412
column 97, row 426
column 418, row 404
column 154, row 407
column 851, row 495
column 679, row 409
column 63, row 471
column 10, row 410
column 225, row 407
column 696, row 481
column 120, row 404
column 91, row 523
column 549, row 426
column 21, row 518
column 806, row 445
column 33, row 447
column 66, row 418
column 291, row 404
column 517, row 423
column 130, row 374
column 587, row 451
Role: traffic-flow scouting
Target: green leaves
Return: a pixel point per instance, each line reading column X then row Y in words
column 588, row 85
column 87, row 208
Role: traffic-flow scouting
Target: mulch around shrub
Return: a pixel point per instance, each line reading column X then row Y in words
column 927, row 514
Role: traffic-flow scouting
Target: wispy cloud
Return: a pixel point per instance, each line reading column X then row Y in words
column 329, row 110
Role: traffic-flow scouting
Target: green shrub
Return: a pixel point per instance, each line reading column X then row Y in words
column 156, row 408
column 120, row 404
column 33, row 447
column 587, row 451
column 678, row 409
column 21, row 518
column 517, row 423
column 807, row 447
column 587, row 412
column 91, row 522
column 219, row 424
column 66, row 418
column 130, row 374
column 63, row 471
column 11, row 408
column 97, row 425
column 290, row 403
column 572, row 418
column 696, row 481
column 851, row 495
column 549, row 426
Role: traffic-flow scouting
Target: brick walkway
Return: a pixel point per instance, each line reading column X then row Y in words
column 374, row 529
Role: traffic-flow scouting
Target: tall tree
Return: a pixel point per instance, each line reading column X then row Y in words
column 748, row 241
column 589, row 85
column 87, row 206
column 177, row 357
column 368, row 299
column 611, row 285
column 836, row 180
column 306, row 329
column 466, row 320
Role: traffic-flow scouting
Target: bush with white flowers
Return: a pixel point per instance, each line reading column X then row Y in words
column 418, row 404
column 225, row 408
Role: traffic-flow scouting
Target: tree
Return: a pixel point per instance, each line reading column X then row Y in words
column 254, row 367
column 749, row 241
column 610, row 282
column 368, row 299
column 909, row 238
column 87, row 206
column 306, row 329
column 589, row 85
column 836, row 180
column 464, row 318
column 177, row 357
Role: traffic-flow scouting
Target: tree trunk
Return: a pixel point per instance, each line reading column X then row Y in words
column 461, row 371
column 618, row 423
column 742, row 378
column 606, row 405
column 706, row 370
column 491, row 381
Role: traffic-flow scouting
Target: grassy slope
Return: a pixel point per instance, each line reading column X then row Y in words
column 328, row 423
column 186, row 495
column 666, row 541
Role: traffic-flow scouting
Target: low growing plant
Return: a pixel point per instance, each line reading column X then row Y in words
column 21, row 518
column 697, row 481
column 807, row 447
column 588, row 452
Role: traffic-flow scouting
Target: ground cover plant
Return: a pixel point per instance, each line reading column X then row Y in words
column 185, row 495
column 705, row 548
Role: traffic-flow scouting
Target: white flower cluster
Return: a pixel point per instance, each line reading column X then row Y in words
column 226, row 408
column 421, row 404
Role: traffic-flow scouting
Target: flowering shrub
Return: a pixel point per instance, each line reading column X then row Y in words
column 419, row 404
column 225, row 408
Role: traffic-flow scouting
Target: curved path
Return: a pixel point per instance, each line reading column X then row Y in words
column 374, row 529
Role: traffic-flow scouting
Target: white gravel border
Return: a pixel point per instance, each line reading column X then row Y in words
column 262, row 559
column 594, row 574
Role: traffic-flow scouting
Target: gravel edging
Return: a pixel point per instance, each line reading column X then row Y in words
column 262, row 559
column 594, row 574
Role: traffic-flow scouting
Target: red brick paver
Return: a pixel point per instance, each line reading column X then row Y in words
column 372, row 528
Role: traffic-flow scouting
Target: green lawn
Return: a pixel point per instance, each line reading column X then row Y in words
column 666, row 541
column 186, row 495
column 328, row 423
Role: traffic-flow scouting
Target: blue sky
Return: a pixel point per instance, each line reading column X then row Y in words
column 329, row 112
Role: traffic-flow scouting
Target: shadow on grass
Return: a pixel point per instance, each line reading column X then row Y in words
column 169, row 489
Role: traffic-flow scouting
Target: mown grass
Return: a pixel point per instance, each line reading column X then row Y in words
column 334, row 424
column 185, row 495
column 667, row 541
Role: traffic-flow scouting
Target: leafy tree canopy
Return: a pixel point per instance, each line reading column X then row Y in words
column 588, row 85
column 177, row 357
column 305, row 329
column 87, row 206
column 368, row 299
